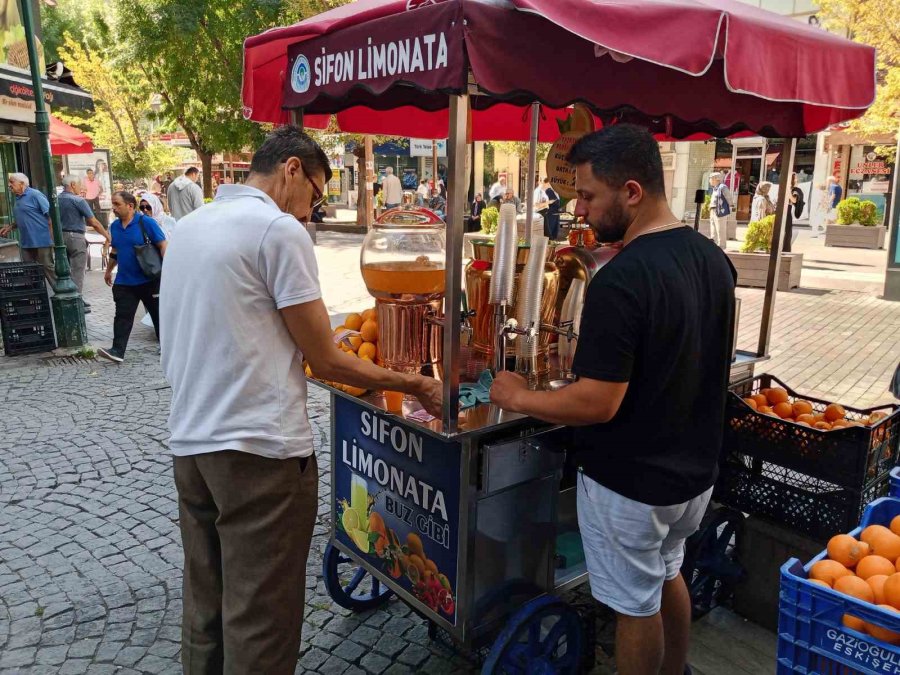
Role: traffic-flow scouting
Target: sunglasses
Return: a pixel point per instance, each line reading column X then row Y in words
column 146, row 207
column 318, row 199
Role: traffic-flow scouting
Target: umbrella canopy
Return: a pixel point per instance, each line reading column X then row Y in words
column 678, row 67
column 67, row 140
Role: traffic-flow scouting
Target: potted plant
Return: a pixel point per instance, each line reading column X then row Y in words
column 490, row 217
column 857, row 225
column 752, row 262
column 704, row 215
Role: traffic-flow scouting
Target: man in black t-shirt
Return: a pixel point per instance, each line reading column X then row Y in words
column 652, row 362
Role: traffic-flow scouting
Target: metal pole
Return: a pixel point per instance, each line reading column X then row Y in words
column 68, row 309
column 892, row 272
column 781, row 212
column 297, row 117
column 456, row 207
column 532, row 164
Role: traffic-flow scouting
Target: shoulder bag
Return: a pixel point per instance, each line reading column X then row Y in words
column 148, row 256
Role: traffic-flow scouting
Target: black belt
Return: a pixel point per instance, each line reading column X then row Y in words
column 74, row 231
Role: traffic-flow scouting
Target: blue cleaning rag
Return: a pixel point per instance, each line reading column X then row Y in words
column 473, row 393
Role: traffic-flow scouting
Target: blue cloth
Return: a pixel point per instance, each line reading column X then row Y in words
column 31, row 213
column 835, row 192
column 73, row 210
column 471, row 394
column 124, row 239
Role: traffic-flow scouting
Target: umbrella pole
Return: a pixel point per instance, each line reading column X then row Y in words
column 781, row 212
column 532, row 165
column 456, row 204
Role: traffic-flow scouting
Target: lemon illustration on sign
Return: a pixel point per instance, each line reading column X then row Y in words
column 360, row 538
column 350, row 520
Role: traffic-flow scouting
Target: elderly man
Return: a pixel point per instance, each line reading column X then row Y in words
column 31, row 214
column 393, row 189
column 74, row 215
column 719, row 210
column 245, row 466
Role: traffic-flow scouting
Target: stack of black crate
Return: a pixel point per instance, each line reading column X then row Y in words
column 25, row 317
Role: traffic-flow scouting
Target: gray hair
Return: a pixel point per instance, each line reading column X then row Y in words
column 389, row 170
column 716, row 174
column 69, row 179
column 20, row 178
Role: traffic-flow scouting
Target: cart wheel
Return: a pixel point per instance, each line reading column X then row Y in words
column 349, row 585
column 711, row 568
column 545, row 637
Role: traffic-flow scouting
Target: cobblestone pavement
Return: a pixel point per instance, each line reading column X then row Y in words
column 90, row 554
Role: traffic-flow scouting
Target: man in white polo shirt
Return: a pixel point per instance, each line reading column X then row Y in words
column 240, row 294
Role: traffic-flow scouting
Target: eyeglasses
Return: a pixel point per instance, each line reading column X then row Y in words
column 319, row 199
column 146, row 207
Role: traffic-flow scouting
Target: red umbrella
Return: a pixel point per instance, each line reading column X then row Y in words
column 680, row 68
column 67, row 140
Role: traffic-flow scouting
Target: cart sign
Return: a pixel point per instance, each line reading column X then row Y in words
column 866, row 654
column 423, row 48
column 397, row 502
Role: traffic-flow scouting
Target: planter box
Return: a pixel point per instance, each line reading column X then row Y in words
column 752, row 269
column 731, row 227
column 857, row 236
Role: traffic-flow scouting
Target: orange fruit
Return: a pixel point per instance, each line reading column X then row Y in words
column 431, row 566
column 777, row 395
column 414, row 544
column 802, row 408
column 368, row 314
column 355, row 342
column 803, row 424
column 369, row 331
column 875, row 418
column 376, row 524
column 766, row 410
column 895, row 525
column 840, row 424
column 876, row 583
column 783, row 410
column 855, row 588
column 807, row 419
column 828, row 571
column 367, row 350
column 354, row 391
column 883, row 542
column 835, row 411
column 892, row 590
column 847, row 550
column 854, row 623
column 818, row 582
column 760, row 399
column 751, row 402
column 824, row 426
column 820, row 417
column 883, row 634
column 872, row 565
column 353, row 321
column 339, row 329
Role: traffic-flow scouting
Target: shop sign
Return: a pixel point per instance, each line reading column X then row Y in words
column 421, row 147
column 559, row 171
column 877, row 168
column 397, row 502
column 882, row 186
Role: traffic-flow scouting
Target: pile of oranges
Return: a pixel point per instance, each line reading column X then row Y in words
column 777, row 403
column 868, row 569
column 363, row 344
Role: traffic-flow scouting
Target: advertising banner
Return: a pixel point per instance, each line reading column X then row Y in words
column 98, row 162
column 397, row 502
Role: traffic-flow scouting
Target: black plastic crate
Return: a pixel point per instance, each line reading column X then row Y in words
column 28, row 337
column 850, row 457
column 24, row 305
column 21, row 276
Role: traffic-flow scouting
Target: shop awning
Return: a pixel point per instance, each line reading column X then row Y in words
column 680, row 68
column 17, row 90
column 67, row 140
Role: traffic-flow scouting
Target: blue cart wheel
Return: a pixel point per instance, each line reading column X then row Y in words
column 545, row 637
column 350, row 585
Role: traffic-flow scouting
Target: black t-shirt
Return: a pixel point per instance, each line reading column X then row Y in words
column 659, row 316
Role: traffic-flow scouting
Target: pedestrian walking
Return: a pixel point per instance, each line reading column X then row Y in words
column 150, row 205
column 393, row 189
column 75, row 215
column 762, row 205
column 719, row 210
column 834, row 192
column 423, row 193
column 31, row 216
column 245, row 466
column 551, row 214
column 498, row 189
column 184, row 194
column 132, row 287
column 795, row 210
column 643, row 345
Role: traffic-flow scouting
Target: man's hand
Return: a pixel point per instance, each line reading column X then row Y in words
column 107, row 276
column 6, row 230
column 430, row 395
column 506, row 389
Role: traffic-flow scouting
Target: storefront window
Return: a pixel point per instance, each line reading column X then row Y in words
column 7, row 166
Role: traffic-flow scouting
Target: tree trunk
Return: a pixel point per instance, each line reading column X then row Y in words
column 365, row 171
column 206, row 164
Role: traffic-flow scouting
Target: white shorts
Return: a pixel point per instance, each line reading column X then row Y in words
column 631, row 548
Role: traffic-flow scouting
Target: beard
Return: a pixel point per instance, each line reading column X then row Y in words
column 612, row 225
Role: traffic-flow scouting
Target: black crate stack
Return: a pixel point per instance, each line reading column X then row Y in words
column 25, row 317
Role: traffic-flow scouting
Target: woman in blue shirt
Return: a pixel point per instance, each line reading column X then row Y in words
column 131, row 285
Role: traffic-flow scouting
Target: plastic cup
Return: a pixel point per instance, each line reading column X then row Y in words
column 393, row 401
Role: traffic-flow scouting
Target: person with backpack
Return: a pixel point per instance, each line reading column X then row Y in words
column 719, row 210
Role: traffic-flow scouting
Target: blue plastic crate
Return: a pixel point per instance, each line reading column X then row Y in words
column 895, row 482
column 811, row 636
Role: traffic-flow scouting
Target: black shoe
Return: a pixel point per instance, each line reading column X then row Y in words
column 87, row 309
column 86, row 304
column 112, row 354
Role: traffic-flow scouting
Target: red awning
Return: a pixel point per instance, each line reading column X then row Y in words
column 680, row 68
column 67, row 140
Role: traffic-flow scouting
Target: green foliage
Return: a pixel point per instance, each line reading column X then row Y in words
column 759, row 235
column 704, row 209
column 85, row 21
column 852, row 211
column 490, row 217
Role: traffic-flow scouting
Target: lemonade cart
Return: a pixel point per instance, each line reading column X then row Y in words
column 470, row 519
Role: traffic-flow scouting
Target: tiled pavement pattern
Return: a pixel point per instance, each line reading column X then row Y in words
column 89, row 548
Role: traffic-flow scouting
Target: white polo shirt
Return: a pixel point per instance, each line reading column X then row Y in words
column 237, row 378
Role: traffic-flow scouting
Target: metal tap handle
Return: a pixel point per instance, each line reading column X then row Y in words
column 511, row 329
column 568, row 332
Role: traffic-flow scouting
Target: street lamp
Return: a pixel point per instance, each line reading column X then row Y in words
column 68, row 310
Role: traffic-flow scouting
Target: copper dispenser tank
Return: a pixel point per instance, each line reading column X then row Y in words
column 402, row 265
column 478, row 285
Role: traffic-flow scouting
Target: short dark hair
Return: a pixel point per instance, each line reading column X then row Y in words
column 284, row 143
column 126, row 197
column 620, row 153
column 192, row 171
